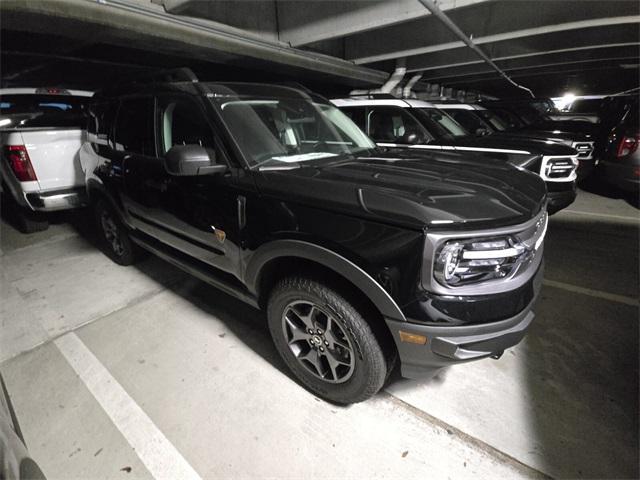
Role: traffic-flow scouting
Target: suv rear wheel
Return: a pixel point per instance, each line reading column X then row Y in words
column 116, row 243
column 325, row 341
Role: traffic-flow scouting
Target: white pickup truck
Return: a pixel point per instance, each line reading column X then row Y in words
column 42, row 130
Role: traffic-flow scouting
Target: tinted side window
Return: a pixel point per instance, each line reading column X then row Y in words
column 134, row 126
column 395, row 125
column 100, row 122
column 182, row 122
column 357, row 115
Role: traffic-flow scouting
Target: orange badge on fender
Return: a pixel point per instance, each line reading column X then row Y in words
column 220, row 235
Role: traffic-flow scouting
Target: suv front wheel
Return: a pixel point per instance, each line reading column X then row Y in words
column 325, row 341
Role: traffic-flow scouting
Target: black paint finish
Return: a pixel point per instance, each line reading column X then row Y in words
column 363, row 216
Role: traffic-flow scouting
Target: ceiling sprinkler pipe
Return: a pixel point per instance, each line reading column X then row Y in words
column 406, row 91
column 388, row 87
column 440, row 15
column 395, row 78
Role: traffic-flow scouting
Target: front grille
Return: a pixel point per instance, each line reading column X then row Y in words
column 558, row 169
column 585, row 150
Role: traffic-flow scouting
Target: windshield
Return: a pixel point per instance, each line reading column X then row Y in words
column 544, row 105
column 439, row 124
column 42, row 111
column 496, row 122
column 470, row 121
column 273, row 130
column 531, row 115
column 586, row 105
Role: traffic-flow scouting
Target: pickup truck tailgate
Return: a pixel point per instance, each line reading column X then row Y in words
column 54, row 155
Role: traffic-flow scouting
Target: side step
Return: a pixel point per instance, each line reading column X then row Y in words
column 195, row 268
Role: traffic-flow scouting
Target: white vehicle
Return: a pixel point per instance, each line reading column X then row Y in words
column 42, row 130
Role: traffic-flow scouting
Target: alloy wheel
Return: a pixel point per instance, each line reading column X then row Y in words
column 111, row 233
column 318, row 341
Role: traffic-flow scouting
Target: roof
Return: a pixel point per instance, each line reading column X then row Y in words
column 45, row 91
column 459, row 106
column 375, row 102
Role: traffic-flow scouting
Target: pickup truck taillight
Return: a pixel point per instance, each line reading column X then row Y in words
column 20, row 162
column 628, row 145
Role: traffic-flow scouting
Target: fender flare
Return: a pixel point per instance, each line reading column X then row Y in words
column 98, row 190
column 327, row 258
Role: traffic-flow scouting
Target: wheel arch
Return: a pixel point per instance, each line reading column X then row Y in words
column 275, row 259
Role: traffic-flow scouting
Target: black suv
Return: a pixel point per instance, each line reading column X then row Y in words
column 358, row 256
column 418, row 125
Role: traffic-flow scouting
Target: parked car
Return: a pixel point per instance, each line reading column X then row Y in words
column 585, row 108
column 527, row 122
column 359, row 256
column 42, row 130
column 621, row 157
column 419, row 125
column 15, row 461
column 482, row 121
column 612, row 110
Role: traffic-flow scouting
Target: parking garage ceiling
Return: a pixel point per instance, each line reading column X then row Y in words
column 549, row 46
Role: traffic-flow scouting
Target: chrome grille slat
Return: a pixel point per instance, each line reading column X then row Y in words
column 558, row 169
column 585, row 150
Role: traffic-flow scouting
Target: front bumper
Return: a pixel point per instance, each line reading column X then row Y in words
column 560, row 195
column 453, row 344
column 57, row 200
column 625, row 176
column 586, row 167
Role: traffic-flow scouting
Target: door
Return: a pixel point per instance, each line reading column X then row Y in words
column 198, row 215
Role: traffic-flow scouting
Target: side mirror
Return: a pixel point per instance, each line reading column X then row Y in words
column 409, row 138
column 191, row 160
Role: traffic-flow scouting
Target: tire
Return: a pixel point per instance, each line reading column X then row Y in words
column 349, row 365
column 30, row 222
column 113, row 236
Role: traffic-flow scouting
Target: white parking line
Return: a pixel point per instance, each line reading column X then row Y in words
column 634, row 302
column 156, row 452
column 605, row 215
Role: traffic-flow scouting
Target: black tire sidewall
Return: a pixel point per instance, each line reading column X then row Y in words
column 128, row 255
column 370, row 367
column 30, row 222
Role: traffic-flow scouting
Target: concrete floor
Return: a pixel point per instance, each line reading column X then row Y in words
column 143, row 371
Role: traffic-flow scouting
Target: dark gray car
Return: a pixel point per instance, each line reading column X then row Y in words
column 621, row 159
column 15, row 462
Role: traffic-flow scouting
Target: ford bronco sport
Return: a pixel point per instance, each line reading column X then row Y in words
column 360, row 257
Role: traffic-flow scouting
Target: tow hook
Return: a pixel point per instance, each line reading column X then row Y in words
column 496, row 356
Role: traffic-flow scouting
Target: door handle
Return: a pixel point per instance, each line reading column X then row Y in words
column 242, row 214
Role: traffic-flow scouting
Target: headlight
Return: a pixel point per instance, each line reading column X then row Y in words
column 479, row 262
column 476, row 260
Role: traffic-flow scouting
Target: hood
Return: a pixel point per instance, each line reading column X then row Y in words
column 436, row 191
column 535, row 146
column 556, row 135
column 573, row 126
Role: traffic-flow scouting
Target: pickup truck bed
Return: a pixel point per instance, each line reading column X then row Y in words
column 40, row 168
